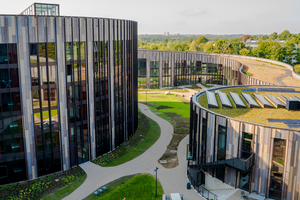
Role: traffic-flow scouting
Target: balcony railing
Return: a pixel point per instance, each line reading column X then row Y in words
column 236, row 163
column 200, row 189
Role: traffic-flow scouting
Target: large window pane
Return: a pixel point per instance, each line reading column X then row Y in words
column 44, row 98
column 51, row 52
column 43, row 75
column 42, row 52
column 3, row 54
column 52, row 74
column 68, row 51
column 12, row 54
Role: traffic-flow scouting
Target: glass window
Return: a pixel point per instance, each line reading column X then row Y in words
column 83, row 92
column 68, row 51
column 7, row 103
column 70, row 95
column 76, row 72
column 44, row 98
column 16, row 101
column 52, row 74
column 82, row 72
column 84, row 112
column 3, row 54
column 51, row 52
column 5, row 82
column 53, row 97
column 72, row 135
column 75, row 50
column 43, row 75
column 35, row 99
column 77, row 93
column 47, row 140
column 55, row 139
column 14, row 77
column 12, row 54
column 37, row 120
column 35, row 76
column 42, row 52
column 82, row 50
column 78, row 112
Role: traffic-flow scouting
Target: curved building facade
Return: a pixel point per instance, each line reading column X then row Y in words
column 257, row 158
column 68, row 91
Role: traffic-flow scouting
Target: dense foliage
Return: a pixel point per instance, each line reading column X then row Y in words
column 282, row 47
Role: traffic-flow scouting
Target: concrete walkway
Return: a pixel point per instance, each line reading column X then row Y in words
column 173, row 180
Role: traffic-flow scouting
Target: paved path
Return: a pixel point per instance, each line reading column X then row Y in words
column 173, row 180
column 288, row 73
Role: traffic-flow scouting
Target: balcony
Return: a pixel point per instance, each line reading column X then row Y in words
column 239, row 164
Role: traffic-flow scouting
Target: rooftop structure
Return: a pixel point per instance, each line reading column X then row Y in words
column 42, row 9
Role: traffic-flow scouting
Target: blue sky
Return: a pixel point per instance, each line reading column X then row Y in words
column 185, row 16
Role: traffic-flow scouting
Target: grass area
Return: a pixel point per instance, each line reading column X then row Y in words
column 207, row 86
column 176, row 110
column 163, row 90
column 67, row 190
column 248, row 73
column 146, row 135
column 140, row 187
column 168, row 103
column 271, row 63
column 42, row 187
column 256, row 115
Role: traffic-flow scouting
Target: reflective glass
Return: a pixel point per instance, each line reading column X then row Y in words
column 51, row 52
column 3, row 54
column 83, row 92
column 68, row 51
column 35, row 99
column 43, row 75
column 82, row 50
column 47, row 140
column 72, row 135
column 84, row 112
column 53, row 97
column 16, row 101
column 70, row 95
column 12, row 54
column 44, row 98
column 83, row 75
column 35, row 76
column 76, row 72
column 7, row 103
column 75, row 50
column 52, row 74
column 42, row 52
column 14, row 77
column 5, row 82
column 37, row 121
column 55, row 139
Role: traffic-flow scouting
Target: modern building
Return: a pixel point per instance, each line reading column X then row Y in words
column 160, row 69
column 68, row 90
column 242, row 147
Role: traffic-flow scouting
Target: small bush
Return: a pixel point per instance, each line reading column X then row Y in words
column 297, row 69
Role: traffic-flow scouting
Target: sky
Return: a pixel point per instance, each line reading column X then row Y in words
column 185, row 16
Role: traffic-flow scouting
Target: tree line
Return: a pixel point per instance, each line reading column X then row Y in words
column 281, row 47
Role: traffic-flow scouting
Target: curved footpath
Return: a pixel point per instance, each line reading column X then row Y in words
column 173, row 180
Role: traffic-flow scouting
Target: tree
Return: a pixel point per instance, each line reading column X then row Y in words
column 208, row 47
column 273, row 36
column 201, row 39
column 236, row 47
column 285, row 35
column 289, row 50
column 244, row 52
column 222, row 46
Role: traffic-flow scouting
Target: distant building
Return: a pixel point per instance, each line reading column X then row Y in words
column 166, row 33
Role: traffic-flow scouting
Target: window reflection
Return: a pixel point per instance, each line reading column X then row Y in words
column 43, row 75
column 68, row 51
column 42, row 52
column 83, row 76
column 51, row 52
column 44, row 98
column 52, row 74
column 75, row 50
column 12, row 54
column 3, row 54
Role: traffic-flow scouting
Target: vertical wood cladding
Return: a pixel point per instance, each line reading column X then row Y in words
column 111, row 42
column 262, row 144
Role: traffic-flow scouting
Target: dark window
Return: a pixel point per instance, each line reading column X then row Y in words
column 247, row 145
column 3, row 54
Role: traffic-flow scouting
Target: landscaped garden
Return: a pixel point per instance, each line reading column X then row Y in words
column 146, row 135
column 42, row 187
column 140, row 187
column 175, row 110
column 256, row 115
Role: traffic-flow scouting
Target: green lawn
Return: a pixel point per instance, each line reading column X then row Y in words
column 151, row 137
column 169, row 103
column 146, row 135
column 67, row 190
column 141, row 187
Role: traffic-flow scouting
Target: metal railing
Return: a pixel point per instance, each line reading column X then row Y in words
column 227, row 160
column 200, row 189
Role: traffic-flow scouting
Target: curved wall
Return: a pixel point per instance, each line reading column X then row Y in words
column 275, row 172
column 78, row 91
column 192, row 67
